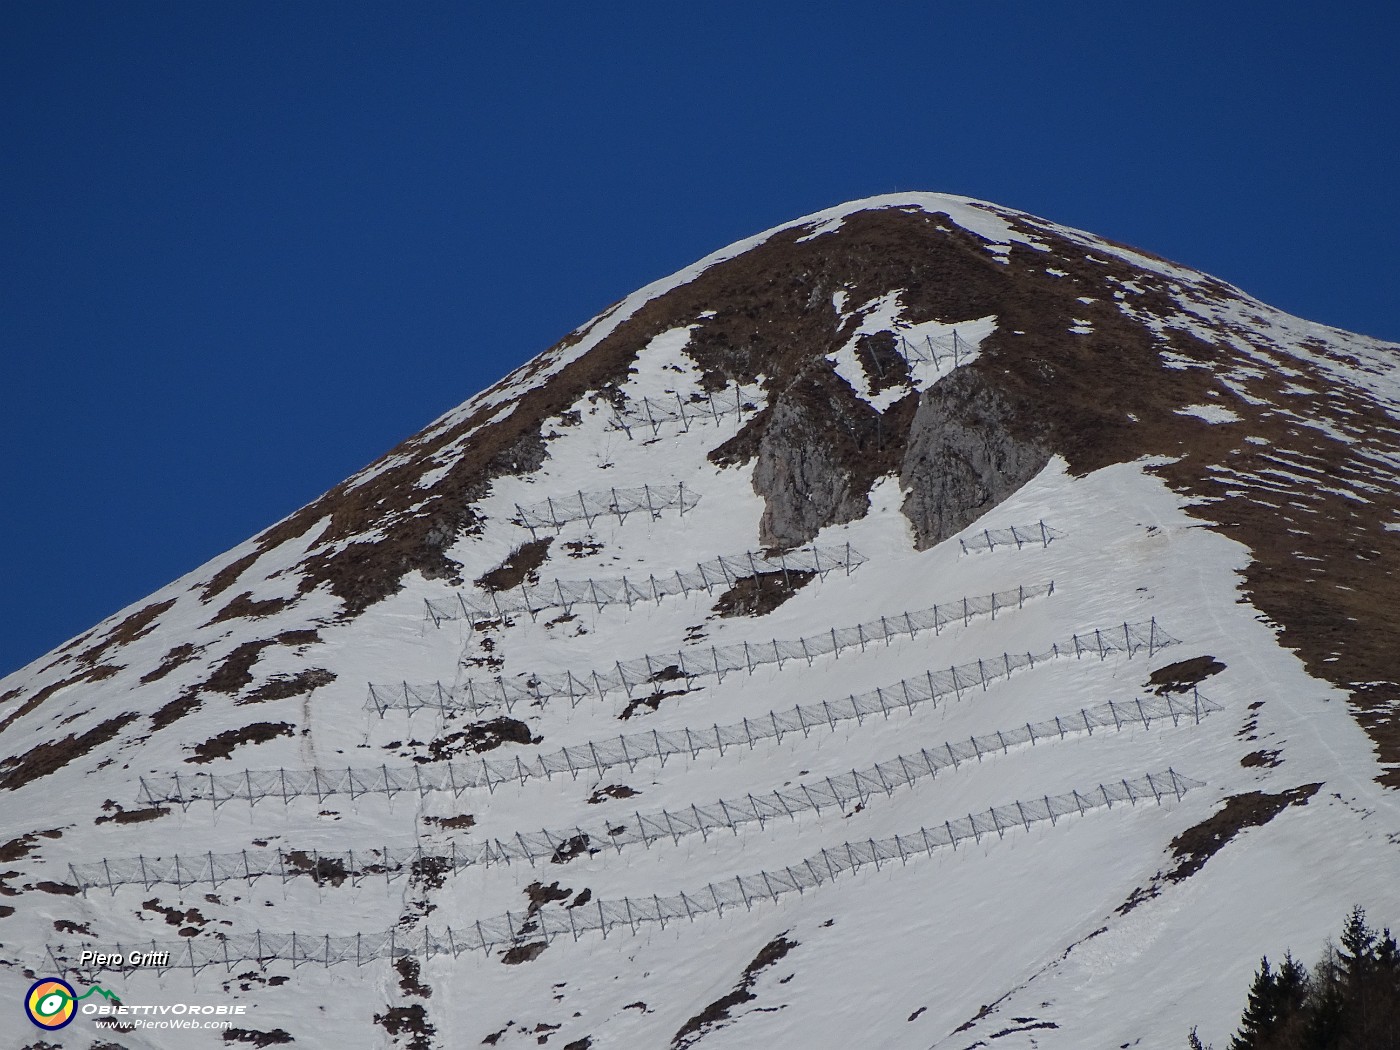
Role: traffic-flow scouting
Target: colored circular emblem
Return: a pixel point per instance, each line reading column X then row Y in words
column 50, row 1003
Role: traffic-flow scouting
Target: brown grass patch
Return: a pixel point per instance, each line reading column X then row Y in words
column 539, row 895
column 458, row 823
column 410, row 982
column 118, row 815
column 233, row 673
column 48, row 758
column 1184, row 674
column 92, row 674
column 757, row 595
column 283, row 687
column 519, row 567
column 21, row 847
column 227, row 576
column 178, row 655
column 523, row 953
column 602, row 794
column 480, row 736
column 697, row 1027
column 1194, row 846
column 276, row 1037
column 137, row 625
column 176, row 709
column 222, row 744
column 321, row 869
column 244, row 607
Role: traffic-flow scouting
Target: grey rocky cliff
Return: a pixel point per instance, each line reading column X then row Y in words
column 819, row 451
column 954, row 448
column 961, row 459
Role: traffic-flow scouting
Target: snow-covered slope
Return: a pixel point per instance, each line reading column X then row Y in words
column 918, row 625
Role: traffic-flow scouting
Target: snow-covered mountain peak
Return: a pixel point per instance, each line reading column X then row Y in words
column 918, row 624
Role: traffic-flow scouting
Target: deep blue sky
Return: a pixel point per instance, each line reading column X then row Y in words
column 247, row 247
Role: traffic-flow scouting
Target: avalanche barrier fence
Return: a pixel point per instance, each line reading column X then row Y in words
column 700, row 408
column 935, row 351
column 564, row 844
column 987, row 539
column 724, row 571
column 458, row 776
column 656, row 670
column 552, row 921
column 589, row 506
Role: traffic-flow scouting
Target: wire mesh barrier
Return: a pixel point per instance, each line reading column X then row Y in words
column 588, row 507
column 699, row 408
column 629, row 749
column 928, row 350
column 654, row 672
column 987, row 539
column 563, row 844
column 551, row 921
column 724, row 571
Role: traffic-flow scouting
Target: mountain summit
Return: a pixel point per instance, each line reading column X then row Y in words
column 918, row 625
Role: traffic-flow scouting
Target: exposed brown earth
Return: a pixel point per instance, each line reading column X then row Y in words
column 233, row 672
column 117, row 815
column 47, row 758
column 222, row 744
column 480, row 736
column 98, row 673
column 321, row 869
column 714, row 1015
column 1183, row 675
column 276, row 1037
column 757, row 595
column 1196, row 845
column 283, row 687
column 458, row 823
column 244, row 607
column 137, row 625
column 519, row 567
column 180, row 654
column 523, row 953
column 539, row 895
column 227, row 576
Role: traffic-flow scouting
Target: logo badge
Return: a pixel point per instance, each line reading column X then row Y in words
column 51, row 1003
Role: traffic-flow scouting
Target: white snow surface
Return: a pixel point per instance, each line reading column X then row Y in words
column 900, row 957
column 928, row 347
column 1209, row 413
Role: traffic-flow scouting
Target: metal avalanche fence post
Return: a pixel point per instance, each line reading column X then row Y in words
column 766, row 886
column 645, row 412
column 840, row 791
column 698, row 662
column 601, row 592
column 930, row 687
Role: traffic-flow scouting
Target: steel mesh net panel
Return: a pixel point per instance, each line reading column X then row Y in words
column 840, row 791
column 461, row 775
column 555, row 513
column 1039, row 534
column 949, row 350
column 515, row 928
column 724, row 571
column 654, row 670
column 649, row 413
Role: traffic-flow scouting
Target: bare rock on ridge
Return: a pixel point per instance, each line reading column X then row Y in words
column 961, row 458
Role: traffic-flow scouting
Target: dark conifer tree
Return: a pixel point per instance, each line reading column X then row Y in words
column 1326, row 1007
column 1350, row 1001
column 1358, row 946
column 1260, row 1012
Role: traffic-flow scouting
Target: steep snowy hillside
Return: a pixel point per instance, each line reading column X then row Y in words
column 920, row 625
